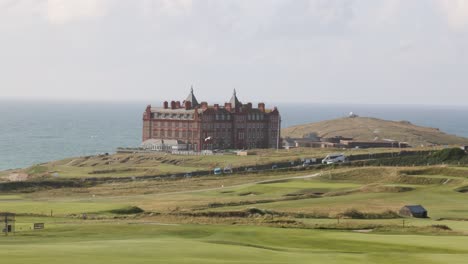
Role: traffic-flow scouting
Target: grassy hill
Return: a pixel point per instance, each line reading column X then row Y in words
column 367, row 128
column 149, row 164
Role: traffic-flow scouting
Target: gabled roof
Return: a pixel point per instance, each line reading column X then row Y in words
column 152, row 141
column 416, row 208
column 192, row 99
column 234, row 101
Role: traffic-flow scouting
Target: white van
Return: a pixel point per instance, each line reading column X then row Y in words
column 334, row 158
column 227, row 170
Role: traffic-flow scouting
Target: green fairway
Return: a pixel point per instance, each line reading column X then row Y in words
column 152, row 243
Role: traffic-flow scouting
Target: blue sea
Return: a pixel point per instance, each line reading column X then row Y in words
column 32, row 132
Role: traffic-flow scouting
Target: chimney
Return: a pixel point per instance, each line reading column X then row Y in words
column 173, row 105
column 178, row 104
column 188, row 105
column 249, row 105
column 204, row 105
column 147, row 114
column 216, row 107
column 228, row 107
column 261, row 107
column 166, row 105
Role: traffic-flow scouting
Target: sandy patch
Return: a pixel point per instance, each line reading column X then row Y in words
column 18, row 177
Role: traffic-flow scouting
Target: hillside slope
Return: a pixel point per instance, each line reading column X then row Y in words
column 366, row 128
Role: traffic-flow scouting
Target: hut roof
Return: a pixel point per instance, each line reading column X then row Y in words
column 416, row 209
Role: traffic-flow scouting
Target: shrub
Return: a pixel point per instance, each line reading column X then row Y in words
column 441, row 227
column 451, row 154
column 355, row 214
column 127, row 210
column 254, row 210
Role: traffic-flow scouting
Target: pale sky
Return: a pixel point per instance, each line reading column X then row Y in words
column 318, row 51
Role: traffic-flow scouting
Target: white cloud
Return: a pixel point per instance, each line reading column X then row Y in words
column 61, row 11
column 166, row 7
column 456, row 12
column 258, row 44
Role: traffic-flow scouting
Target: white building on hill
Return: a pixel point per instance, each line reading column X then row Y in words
column 162, row 145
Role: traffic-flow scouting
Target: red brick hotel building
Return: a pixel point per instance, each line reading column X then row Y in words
column 206, row 127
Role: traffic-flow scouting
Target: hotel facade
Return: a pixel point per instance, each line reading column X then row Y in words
column 200, row 126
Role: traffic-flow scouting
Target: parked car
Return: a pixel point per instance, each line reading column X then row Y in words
column 227, row 170
column 217, row 171
column 334, row 158
column 188, row 175
column 274, row 167
column 249, row 169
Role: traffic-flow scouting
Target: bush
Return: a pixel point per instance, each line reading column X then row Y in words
column 355, row 214
column 441, row 227
column 127, row 210
column 451, row 154
column 254, row 211
column 445, row 156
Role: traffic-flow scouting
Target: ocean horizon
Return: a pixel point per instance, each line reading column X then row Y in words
column 33, row 132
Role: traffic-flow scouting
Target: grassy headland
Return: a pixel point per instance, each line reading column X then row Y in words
column 368, row 129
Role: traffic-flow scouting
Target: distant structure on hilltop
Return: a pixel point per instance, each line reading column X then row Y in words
column 198, row 126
